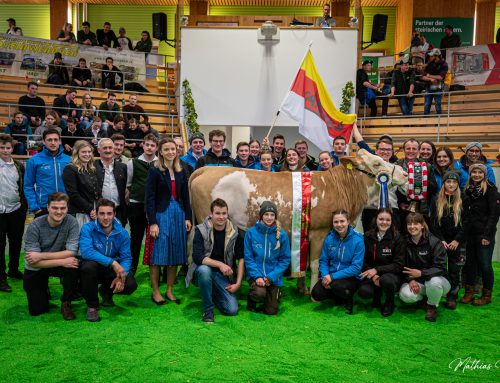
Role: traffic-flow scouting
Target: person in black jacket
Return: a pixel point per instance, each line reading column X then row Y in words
column 112, row 177
column 482, row 206
column 81, row 183
column 108, row 75
column 402, row 85
column 425, row 267
column 65, row 105
column 106, row 37
column 385, row 252
column 169, row 216
column 58, row 73
column 81, row 75
column 217, row 155
column 447, row 223
column 70, row 135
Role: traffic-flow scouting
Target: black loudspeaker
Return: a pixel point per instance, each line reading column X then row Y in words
column 160, row 26
column 379, row 28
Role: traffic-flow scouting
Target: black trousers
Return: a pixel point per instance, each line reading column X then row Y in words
column 36, row 285
column 94, row 274
column 339, row 288
column 456, row 261
column 121, row 214
column 267, row 294
column 138, row 225
column 368, row 215
column 389, row 284
column 11, row 227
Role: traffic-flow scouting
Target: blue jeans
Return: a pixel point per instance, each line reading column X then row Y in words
column 429, row 95
column 406, row 105
column 478, row 261
column 212, row 286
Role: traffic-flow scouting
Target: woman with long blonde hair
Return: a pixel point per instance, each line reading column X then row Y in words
column 169, row 215
column 81, row 183
column 88, row 111
column 447, row 225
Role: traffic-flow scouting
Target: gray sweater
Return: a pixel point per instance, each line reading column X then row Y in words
column 41, row 237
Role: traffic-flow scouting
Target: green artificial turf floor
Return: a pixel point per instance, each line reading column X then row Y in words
column 137, row 341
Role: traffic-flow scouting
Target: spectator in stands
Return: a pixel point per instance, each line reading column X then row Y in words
column 81, row 75
column 326, row 21
column 292, row 162
column 13, row 29
column 425, row 267
column 137, row 171
column 325, row 161
column 112, row 177
column 146, row 128
column 255, row 149
column 119, row 147
column 124, row 41
column 32, row 106
column 196, row 150
column 81, row 184
column 134, row 138
column 473, row 154
column 108, row 75
column 51, row 122
column 95, row 133
column 339, row 146
column 44, row 172
column 266, row 161
column 402, row 85
column 88, row 111
column 12, row 211
column 108, row 110
column 65, row 105
column 118, row 126
column 132, row 110
column 218, row 246
column 420, row 83
column 106, row 37
column 449, row 40
column 66, row 34
column 306, row 159
column 243, row 158
column 416, row 48
column 444, row 162
column 85, row 36
column 217, row 155
column 427, row 151
column 169, row 215
column 435, row 73
column 105, row 249
column 20, row 132
column 366, row 92
column 51, row 246
column 267, row 256
column 58, row 73
column 70, row 135
column 145, row 44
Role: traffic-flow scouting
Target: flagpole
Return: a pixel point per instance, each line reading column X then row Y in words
column 290, row 87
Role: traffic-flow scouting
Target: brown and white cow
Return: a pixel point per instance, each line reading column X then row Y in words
column 244, row 190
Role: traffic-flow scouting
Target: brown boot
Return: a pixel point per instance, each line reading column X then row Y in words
column 469, row 294
column 484, row 300
column 301, row 286
column 451, row 301
column 431, row 313
column 67, row 312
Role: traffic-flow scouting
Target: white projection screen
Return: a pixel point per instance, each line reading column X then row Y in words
column 238, row 81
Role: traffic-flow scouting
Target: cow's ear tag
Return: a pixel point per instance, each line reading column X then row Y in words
column 349, row 166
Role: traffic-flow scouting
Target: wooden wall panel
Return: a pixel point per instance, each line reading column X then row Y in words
column 404, row 25
column 58, row 16
column 444, row 8
column 485, row 22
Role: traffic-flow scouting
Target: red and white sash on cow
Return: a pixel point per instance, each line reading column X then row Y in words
column 417, row 183
column 301, row 222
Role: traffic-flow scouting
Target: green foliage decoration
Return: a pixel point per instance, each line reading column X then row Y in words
column 190, row 115
column 347, row 95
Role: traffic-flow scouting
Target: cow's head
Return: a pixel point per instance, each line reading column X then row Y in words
column 372, row 165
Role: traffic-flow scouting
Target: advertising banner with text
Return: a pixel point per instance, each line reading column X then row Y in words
column 433, row 28
column 29, row 57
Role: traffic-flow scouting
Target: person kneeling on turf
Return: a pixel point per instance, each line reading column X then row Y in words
column 106, row 259
column 51, row 245
column 267, row 256
column 217, row 244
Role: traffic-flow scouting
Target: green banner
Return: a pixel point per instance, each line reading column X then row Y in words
column 433, row 28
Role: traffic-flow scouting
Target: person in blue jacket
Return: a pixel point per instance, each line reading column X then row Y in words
column 266, row 162
column 196, row 151
column 106, row 259
column 267, row 256
column 340, row 262
column 20, row 131
column 44, row 172
column 474, row 154
column 445, row 161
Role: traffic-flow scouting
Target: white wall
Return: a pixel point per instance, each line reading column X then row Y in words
column 237, row 81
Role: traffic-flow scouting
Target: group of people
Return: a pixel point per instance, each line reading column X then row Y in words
column 81, row 206
column 129, row 124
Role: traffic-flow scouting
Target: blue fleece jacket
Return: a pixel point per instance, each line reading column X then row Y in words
column 464, row 176
column 342, row 258
column 274, row 168
column 44, row 176
column 262, row 258
column 190, row 159
column 96, row 246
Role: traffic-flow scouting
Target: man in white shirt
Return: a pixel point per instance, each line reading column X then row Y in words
column 13, row 208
